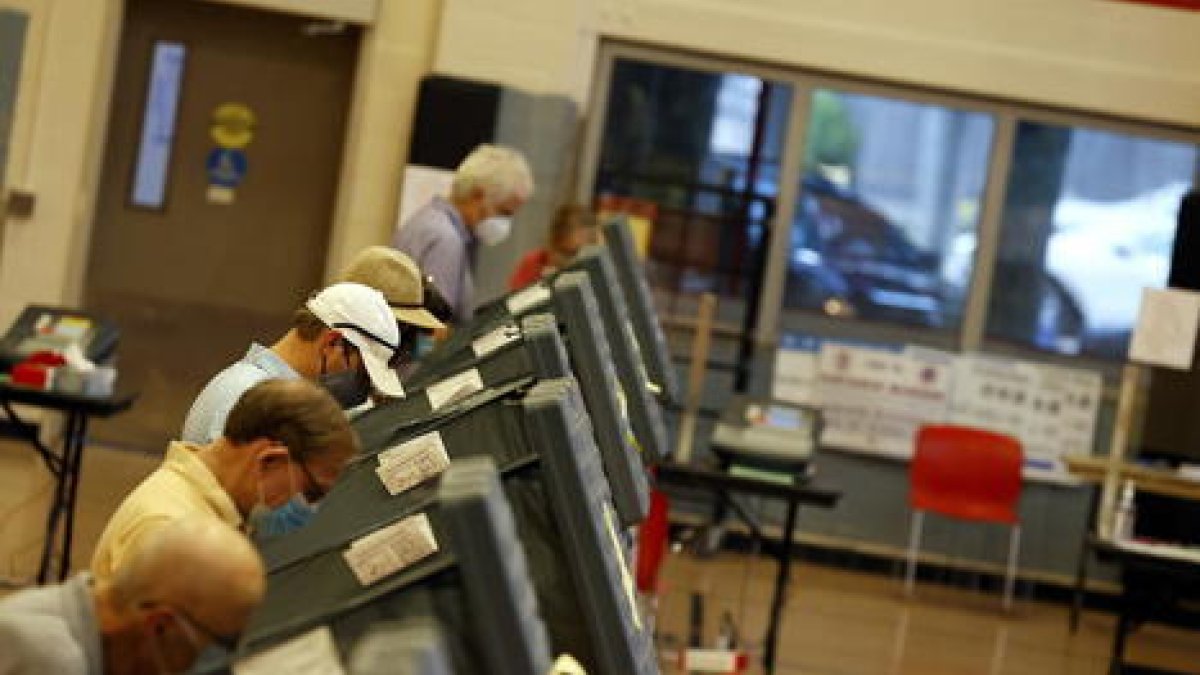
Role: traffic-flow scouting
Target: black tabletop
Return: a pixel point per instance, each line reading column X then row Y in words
column 96, row 406
column 805, row 493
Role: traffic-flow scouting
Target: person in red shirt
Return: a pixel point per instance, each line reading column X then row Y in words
column 573, row 228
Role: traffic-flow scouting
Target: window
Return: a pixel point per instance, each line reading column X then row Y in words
column 704, row 148
column 158, row 125
column 887, row 187
column 894, row 188
column 1088, row 222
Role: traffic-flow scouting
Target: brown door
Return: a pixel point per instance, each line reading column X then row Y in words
column 235, row 245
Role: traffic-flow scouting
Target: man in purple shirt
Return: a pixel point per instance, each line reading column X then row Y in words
column 489, row 187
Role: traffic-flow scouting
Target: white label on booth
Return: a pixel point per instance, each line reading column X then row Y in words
column 391, row 549
column 411, row 463
column 454, row 388
column 312, row 653
column 522, row 301
column 495, row 340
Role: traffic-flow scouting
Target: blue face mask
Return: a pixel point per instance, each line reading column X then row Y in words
column 292, row 516
column 425, row 344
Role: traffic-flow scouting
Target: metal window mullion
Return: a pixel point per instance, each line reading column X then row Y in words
column 595, row 116
column 790, row 168
column 987, row 237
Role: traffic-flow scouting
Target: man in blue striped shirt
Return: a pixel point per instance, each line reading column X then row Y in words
column 489, row 187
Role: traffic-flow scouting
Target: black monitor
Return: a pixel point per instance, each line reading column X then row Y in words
column 642, row 315
column 540, row 438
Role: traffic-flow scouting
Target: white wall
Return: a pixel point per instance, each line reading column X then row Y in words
column 1097, row 55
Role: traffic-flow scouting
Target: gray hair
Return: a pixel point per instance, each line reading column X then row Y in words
column 500, row 172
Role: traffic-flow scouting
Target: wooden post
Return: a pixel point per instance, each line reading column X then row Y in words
column 701, row 346
column 1131, row 378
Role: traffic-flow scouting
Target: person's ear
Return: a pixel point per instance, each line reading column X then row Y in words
column 331, row 338
column 154, row 619
column 266, row 453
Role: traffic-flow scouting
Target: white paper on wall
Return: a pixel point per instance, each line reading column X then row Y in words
column 419, row 186
column 1165, row 334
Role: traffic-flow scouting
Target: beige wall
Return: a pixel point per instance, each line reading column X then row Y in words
column 396, row 52
column 62, row 112
column 1098, row 55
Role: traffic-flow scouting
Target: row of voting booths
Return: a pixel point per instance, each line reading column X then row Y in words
column 488, row 525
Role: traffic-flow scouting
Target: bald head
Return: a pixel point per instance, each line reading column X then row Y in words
column 200, row 566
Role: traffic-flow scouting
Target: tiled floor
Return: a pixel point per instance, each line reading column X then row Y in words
column 846, row 623
column 836, row 623
column 25, row 488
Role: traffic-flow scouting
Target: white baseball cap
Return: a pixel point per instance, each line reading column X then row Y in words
column 362, row 315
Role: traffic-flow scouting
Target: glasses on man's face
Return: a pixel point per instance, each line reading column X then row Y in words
column 196, row 632
column 314, row 491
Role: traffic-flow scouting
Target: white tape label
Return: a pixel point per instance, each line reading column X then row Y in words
column 413, row 462
column 391, row 549
column 454, row 388
column 523, row 301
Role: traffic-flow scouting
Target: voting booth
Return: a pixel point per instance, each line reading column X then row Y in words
column 512, row 348
column 485, row 525
column 538, row 435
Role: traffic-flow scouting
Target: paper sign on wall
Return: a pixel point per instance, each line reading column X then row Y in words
column 1165, row 334
column 420, row 185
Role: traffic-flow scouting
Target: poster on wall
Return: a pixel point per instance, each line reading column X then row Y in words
column 874, row 398
column 1051, row 410
column 419, row 186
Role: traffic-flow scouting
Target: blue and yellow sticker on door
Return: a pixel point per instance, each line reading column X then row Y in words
column 233, row 127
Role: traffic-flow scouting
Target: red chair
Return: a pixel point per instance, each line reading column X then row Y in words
column 969, row 474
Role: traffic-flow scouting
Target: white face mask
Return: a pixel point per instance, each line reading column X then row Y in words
column 492, row 231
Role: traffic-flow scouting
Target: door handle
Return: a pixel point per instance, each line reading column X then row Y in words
column 18, row 203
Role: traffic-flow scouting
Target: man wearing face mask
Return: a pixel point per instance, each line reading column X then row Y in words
column 149, row 618
column 489, row 187
column 345, row 338
column 396, row 276
column 283, row 438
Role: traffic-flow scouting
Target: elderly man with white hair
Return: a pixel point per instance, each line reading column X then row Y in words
column 489, row 187
column 193, row 583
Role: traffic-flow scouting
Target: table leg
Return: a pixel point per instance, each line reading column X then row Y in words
column 61, row 485
column 781, row 582
column 1085, row 550
column 30, row 433
column 77, row 437
column 1120, row 635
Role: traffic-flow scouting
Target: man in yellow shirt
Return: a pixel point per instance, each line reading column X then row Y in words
column 282, row 438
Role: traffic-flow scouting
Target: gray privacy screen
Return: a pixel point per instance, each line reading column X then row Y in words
column 642, row 314
column 541, row 440
column 534, row 351
column 611, row 320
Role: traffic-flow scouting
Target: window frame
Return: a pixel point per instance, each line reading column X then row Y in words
column 970, row 335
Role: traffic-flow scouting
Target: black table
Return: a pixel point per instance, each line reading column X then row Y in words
column 724, row 486
column 64, row 465
column 1152, row 582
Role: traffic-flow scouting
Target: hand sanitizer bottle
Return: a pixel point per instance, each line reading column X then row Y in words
column 1123, row 523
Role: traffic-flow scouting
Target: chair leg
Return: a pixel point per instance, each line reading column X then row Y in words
column 915, row 525
column 1010, row 572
